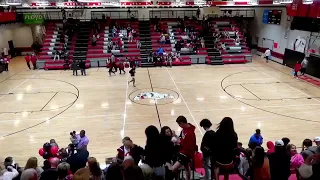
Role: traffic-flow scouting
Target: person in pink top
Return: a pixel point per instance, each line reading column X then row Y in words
column 296, row 158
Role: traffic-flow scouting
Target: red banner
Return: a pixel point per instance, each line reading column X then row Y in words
column 7, row 16
column 297, row 8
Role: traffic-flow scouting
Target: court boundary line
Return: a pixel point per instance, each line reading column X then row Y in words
column 181, row 96
column 239, row 100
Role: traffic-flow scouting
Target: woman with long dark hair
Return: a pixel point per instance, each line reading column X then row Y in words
column 279, row 162
column 260, row 165
column 226, row 143
column 154, row 152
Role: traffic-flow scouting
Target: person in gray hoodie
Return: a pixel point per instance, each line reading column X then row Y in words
column 308, row 149
column 304, row 65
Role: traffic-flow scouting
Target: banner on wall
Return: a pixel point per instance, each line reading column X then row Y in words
column 7, row 16
column 33, row 18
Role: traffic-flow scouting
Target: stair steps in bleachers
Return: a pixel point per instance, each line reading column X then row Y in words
column 146, row 44
column 81, row 47
column 213, row 53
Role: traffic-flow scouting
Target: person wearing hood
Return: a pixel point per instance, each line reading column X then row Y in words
column 270, row 146
column 187, row 146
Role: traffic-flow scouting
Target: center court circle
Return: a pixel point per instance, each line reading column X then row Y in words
column 153, row 96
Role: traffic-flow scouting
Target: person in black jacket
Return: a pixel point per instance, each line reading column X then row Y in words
column 207, row 147
column 154, row 151
column 78, row 160
column 279, row 162
column 82, row 66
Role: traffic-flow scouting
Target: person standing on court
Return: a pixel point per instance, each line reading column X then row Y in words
column 207, row 147
column 74, row 67
column 28, row 59
column 267, row 54
column 132, row 73
column 297, row 68
column 6, row 61
column 82, row 66
column 187, row 147
column 83, row 140
column 304, row 65
column 34, row 61
column 256, row 139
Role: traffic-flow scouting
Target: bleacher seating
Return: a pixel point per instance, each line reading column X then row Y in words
column 233, row 53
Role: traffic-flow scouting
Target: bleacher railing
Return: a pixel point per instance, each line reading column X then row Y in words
column 172, row 13
column 114, row 14
column 234, row 13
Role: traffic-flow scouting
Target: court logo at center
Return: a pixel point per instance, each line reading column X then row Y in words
column 153, row 95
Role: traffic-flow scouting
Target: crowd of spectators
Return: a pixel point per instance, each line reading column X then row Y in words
column 166, row 153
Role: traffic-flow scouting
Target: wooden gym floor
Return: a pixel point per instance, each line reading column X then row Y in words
column 37, row 105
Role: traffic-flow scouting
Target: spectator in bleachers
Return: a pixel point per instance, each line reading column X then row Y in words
column 133, row 173
column 260, row 165
column 187, row 146
column 256, row 138
column 154, row 152
column 29, row 174
column 317, row 140
column 270, row 146
column 223, row 46
column 129, row 148
column 95, row 171
column 52, row 173
column 82, row 174
column 280, row 162
column 150, row 56
column 296, row 158
column 114, row 172
column 134, row 33
column 207, row 147
column 94, row 40
column 160, row 51
column 114, row 31
column 130, row 37
column 136, row 60
column 63, row 171
column 56, row 55
column 138, row 44
column 32, row 163
column 310, row 170
column 8, row 173
column 308, row 149
column 226, row 142
column 286, row 141
column 178, row 47
column 78, row 160
column 162, row 39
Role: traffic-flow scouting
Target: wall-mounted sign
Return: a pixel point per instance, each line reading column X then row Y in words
column 33, row 18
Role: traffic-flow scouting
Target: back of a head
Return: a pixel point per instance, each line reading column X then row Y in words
column 205, row 123
column 226, row 127
column 152, row 133
column 29, row 174
column 181, row 119
column 307, row 143
column 94, row 167
column 259, row 156
column 147, row 171
column 114, row 172
column 82, row 174
column 258, row 131
column 63, row 169
column 54, row 162
column 133, row 173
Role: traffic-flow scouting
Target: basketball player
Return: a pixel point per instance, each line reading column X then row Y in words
column 132, row 73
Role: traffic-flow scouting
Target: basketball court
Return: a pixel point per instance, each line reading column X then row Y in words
column 38, row 105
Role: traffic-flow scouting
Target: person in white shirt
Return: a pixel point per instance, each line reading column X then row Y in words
column 267, row 54
column 9, row 173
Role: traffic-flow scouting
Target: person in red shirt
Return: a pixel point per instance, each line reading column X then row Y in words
column 34, row 61
column 297, row 68
column 28, row 59
column 6, row 61
column 187, row 146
